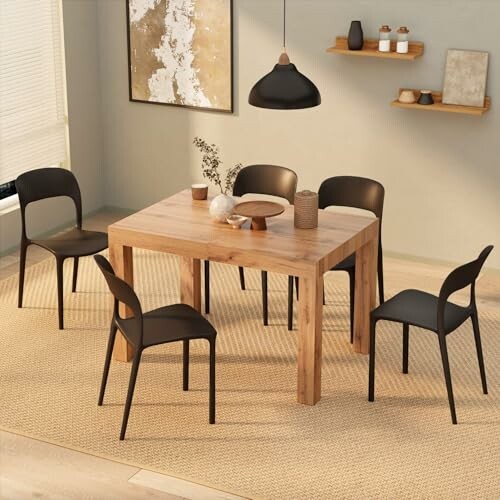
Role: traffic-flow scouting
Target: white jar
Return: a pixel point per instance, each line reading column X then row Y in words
column 384, row 44
column 402, row 44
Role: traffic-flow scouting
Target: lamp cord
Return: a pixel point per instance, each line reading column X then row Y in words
column 284, row 23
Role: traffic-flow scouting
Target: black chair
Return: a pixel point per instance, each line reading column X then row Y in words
column 174, row 323
column 416, row 308
column 51, row 183
column 354, row 192
column 259, row 179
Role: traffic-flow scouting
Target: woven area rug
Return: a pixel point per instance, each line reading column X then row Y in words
column 264, row 444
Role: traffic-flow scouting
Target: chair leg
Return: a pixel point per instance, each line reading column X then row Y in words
column 75, row 273
column 479, row 349
column 22, row 268
column 211, row 417
column 130, row 393
column 290, row 303
column 207, row 287
column 381, row 279
column 352, row 286
column 185, row 365
column 242, row 277
column 107, row 362
column 265, row 310
column 371, row 370
column 297, row 286
column 447, row 376
column 406, row 346
column 60, row 286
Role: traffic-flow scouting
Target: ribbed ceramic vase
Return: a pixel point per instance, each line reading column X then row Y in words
column 355, row 39
column 306, row 210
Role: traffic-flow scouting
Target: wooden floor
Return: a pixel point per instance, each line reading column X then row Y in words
column 35, row 469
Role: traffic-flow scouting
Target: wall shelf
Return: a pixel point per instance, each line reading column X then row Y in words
column 370, row 49
column 444, row 108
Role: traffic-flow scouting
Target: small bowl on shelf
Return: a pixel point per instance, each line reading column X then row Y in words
column 407, row 97
column 236, row 221
column 425, row 98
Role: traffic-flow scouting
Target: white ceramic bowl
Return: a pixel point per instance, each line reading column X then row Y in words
column 236, row 221
column 407, row 97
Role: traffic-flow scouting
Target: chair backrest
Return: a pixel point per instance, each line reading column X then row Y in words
column 355, row 192
column 44, row 183
column 266, row 179
column 123, row 292
column 462, row 277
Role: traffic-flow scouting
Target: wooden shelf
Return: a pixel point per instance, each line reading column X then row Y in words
column 444, row 108
column 370, row 49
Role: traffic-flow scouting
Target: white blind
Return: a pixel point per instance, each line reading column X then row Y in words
column 32, row 87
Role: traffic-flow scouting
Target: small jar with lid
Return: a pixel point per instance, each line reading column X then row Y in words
column 402, row 44
column 384, row 44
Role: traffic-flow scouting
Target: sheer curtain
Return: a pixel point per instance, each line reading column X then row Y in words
column 33, row 117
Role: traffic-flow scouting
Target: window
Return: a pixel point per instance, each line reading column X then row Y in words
column 33, row 122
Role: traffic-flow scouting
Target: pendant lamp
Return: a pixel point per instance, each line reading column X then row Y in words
column 285, row 87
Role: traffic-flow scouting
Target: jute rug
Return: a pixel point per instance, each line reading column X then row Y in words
column 264, row 444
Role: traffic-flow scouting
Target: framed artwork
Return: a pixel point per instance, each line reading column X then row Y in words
column 180, row 53
column 465, row 78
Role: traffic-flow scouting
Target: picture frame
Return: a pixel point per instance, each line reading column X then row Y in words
column 195, row 71
column 465, row 78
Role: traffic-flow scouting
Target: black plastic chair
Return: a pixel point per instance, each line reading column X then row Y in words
column 259, row 179
column 354, row 192
column 174, row 323
column 437, row 314
column 47, row 183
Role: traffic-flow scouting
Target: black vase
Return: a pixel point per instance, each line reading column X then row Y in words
column 355, row 38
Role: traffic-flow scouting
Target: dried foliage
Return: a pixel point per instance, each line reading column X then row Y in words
column 211, row 164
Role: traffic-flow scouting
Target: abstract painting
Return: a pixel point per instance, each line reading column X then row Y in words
column 180, row 52
column 465, row 78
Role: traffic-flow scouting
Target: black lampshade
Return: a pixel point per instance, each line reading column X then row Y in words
column 284, row 88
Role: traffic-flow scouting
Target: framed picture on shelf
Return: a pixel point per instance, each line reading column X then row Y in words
column 465, row 78
column 180, row 53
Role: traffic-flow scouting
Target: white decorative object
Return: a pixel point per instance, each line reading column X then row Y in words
column 407, row 97
column 402, row 45
column 384, row 44
column 221, row 207
column 236, row 221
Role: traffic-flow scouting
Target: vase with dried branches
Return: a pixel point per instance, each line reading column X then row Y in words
column 222, row 205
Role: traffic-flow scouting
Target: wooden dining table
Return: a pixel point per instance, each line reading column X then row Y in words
column 182, row 226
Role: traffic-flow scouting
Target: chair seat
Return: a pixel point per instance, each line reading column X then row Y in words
column 420, row 309
column 75, row 243
column 173, row 323
column 346, row 264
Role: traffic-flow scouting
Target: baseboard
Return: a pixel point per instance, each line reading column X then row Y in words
column 433, row 261
column 113, row 208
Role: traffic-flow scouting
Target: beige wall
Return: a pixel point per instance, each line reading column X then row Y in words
column 441, row 171
column 80, row 36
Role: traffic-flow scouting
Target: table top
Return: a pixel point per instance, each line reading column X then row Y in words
column 183, row 226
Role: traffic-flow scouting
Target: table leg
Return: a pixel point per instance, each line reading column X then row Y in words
column 310, row 339
column 190, row 273
column 364, row 294
column 122, row 261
